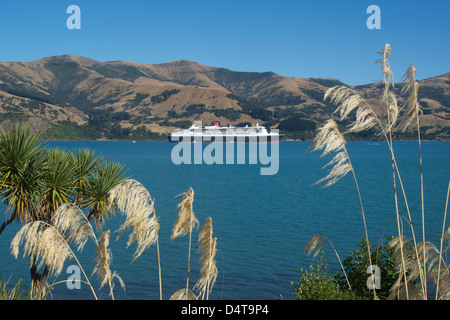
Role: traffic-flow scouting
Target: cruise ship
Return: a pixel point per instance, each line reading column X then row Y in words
column 216, row 133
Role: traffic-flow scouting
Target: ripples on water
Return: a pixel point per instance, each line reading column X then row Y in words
column 262, row 222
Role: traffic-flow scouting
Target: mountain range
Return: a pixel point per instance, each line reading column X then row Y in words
column 73, row 97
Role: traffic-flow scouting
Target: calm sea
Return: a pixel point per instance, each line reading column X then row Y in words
column 262, row 222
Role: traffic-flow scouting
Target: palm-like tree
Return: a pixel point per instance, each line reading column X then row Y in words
column 84, row 162
column 36, row 180
column 105, row 176
column 59, row 181
column 21, row 174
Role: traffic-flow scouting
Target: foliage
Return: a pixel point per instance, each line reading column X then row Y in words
column 12, row 294
column 193, row 109
column 297, row 124
column 163, row 96
column 102, row 119
column 437, row 94
column 137, row 100
column 356, row 265
column 141, row 133
column 315, row 284
column 117, row 132
column 36, row 180
column 417, row 265
column 15, row 293
column 56, row 195
column 66, row 130
column 255, row 111
column 228, row 113
column 102, row 123
column 178, row 124
column 298, row 135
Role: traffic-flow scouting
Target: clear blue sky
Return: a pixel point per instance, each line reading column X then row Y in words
column 295, row 38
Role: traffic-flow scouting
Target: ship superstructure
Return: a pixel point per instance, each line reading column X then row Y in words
column 217, row 133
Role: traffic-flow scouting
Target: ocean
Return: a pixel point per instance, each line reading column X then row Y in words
column 262, row 222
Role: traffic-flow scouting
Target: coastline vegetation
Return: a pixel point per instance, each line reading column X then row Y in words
column 63, row 200
column 412, row 268
column 102, row 124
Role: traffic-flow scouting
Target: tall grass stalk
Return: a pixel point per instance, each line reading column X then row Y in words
column 392, row 113
column 185, row 223
column 330, row 140
column 102, row 268
column 315, row 243
column 348, row 100
column 413, row 111
column 208, row 248
column 442, row 242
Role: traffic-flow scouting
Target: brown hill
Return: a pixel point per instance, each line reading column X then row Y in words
column 91, row 99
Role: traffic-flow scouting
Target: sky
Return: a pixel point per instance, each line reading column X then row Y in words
column 294, row 38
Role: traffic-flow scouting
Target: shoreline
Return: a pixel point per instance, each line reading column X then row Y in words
column 288, row 140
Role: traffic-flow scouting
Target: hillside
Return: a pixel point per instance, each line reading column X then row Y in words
column 71, row 97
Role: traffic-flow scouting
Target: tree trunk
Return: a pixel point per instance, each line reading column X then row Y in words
column 38, row 282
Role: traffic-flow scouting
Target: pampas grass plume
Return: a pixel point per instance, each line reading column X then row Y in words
column 42, row 242
column 186, row 220
column 207, row 247
column 104, row 258
column 181, row 295
column 329, row 139
column 134, row 200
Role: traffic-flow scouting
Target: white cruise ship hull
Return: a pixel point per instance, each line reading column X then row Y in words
column 229, row 134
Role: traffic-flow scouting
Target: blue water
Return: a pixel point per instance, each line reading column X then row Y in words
column 262, row 222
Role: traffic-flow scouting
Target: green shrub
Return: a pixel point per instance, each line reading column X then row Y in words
column 159, row 98
column 229, row 113
column 356, row 265
column 315, row 284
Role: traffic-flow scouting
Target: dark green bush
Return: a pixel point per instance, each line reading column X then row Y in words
column 315, row 284
column 297, row 124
